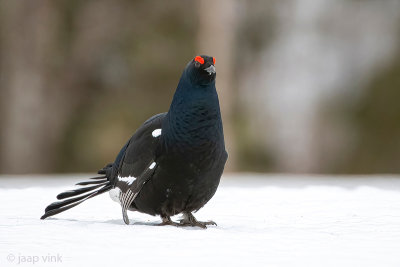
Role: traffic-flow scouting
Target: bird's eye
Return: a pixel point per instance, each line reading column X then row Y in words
column 214, row 60
column 197, row 64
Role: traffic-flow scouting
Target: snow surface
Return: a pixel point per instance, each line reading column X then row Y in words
column 263, row 220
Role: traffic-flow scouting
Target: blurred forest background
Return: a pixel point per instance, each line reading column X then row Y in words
column 305, row 86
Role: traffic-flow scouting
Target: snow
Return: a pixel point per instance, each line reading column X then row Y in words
column 263, row 220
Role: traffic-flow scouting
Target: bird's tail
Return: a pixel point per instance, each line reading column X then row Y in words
column 92, row 188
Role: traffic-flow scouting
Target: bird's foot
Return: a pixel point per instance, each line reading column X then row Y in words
column 167, row 221
column 190, row 220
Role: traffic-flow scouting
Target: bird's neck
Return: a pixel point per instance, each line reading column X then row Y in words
column 193, row 121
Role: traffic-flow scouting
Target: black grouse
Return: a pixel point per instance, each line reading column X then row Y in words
column 173, row 163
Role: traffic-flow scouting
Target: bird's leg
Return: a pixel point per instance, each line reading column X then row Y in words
column 166, row 220
column 190, row 220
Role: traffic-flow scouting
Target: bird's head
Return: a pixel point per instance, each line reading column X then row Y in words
column 201, row 70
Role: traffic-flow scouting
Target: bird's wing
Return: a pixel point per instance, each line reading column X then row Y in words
column 137, row 161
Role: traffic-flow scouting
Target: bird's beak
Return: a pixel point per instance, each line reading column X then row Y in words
column 210, row 69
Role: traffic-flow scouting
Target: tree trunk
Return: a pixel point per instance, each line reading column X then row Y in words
column 217, row 28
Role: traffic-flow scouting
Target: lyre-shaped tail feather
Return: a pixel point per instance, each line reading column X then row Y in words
column 98, row 185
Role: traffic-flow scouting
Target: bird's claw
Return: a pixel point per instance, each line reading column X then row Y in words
column 190, row 220
column 197, row 223
column 167, row 221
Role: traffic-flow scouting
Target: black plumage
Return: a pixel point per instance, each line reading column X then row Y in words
column 173, row 163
